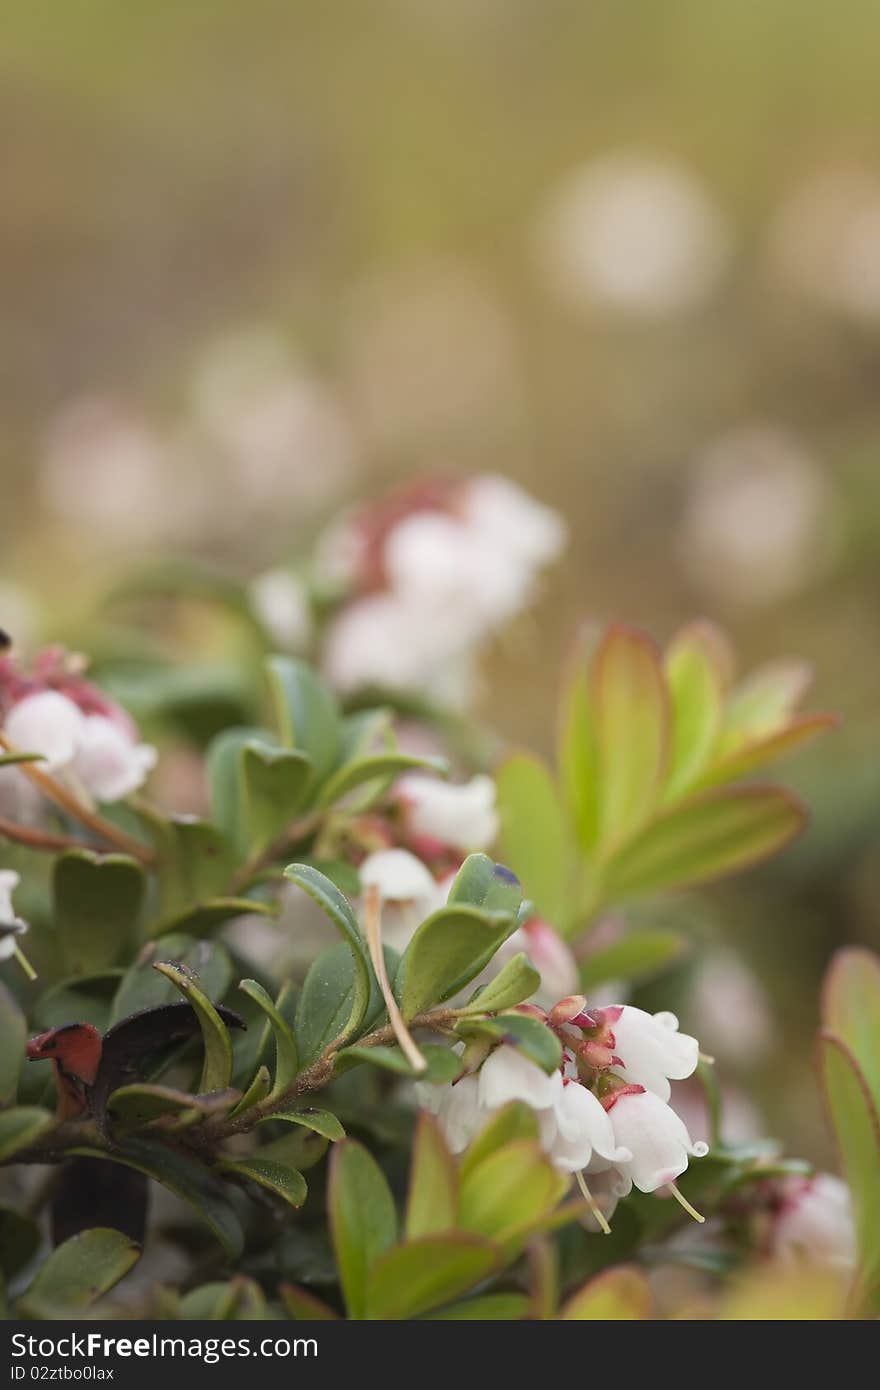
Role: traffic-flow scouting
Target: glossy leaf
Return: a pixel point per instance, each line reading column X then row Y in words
column 529, row 1035
column 285, row 1043
column 217, row 1066
column 188, row 1179
column 142, row 987
column 426, row 1272
column 79, row 1272
column 332, row 1004
column 131, row 1107
column 618, row 1295
column 443, row 1065
column 324, row 984
column 515, row 981
column 535, row 833
column 363, row 1220
column 21, row 1127
column 631, row 711
column 275, row 1177
column 480, row 882
column 448, row 950
column 320, row 1121
column 510, row 1192
column 432, row 1201
column 711, row 835
column 97, row 901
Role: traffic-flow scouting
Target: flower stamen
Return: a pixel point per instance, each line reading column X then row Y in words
column 593, row 1204
column 683, row 1202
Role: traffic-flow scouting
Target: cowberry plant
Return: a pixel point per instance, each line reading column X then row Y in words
column 404, row 1122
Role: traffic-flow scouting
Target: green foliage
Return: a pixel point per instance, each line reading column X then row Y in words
column 79, row 1272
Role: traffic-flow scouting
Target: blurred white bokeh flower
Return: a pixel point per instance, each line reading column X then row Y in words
column 634, row 233
column 757, row 524
column 281, row 603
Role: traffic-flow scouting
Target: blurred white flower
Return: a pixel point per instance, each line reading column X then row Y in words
column 633, row 233
column 508, row 519
column 731, row 1009
column 11, row 925
column 657, row 1138
column 104, row 467
column 281, row 603
column 825, row 241
column 407, row 890
column 285, row 431
column 436, row 562
column 816, row 1222
column 462, row 817
column 755, row 527
column 384, row 641
column 101, row 752
column 651, row 1050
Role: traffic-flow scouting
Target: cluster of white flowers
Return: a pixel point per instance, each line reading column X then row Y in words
column 430, row 576
column 604, row 1113
column 80, row 735
column 813, row 1221
column 11, row 925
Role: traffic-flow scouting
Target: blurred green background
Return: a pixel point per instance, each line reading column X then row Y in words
column 260, row 260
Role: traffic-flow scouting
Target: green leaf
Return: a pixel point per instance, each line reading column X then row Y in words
column 79, row 1272
column 515, row 981
column 195, row 864
column 142, row 987
column 363, row 1220
column 299, row 1148
column 212, row 913
column 372, row 768
column 696, row 688
column 303, row 1306
column 636, row 956
column 514, row 1121
column 275, row 784
column 631, row 711
column 256, row 1092
column 96, row 903
column 331, row 1004
column 427, row 1272
column 20, row 1240
column 320, row 1121
column 857, row 1131
column 285, row 1043
column 487, row 1307
column 757, row 752
column 275, row 1177
column 443, row 1066
column 447, row 951
column 88, row 999
column 306, row 711
column 241, row 1299
column 535, row 837
column 321, row 991
column 187, row 1179
column 764, row 701
column 480, row 882
column 217, row 1067
column 507, row 1194
column 617, row 1295
column 576, row 743
column 705, row 838
column 13, row 1035
column 851, row 1010
column 529, row 1035
column 21, row 1127
column 432, row 1202
column 131, row 1107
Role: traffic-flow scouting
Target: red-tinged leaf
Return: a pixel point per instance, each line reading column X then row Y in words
column 851, row 1010
column 705, row 838
column 622, row 1295
column 696, row 689
column 755, row 754
column 857, row 1131
column 765, row 700
column 432, row 1204
column 363, row 1220
column 303, row 1306
column 423, row 1274
column 631, row 705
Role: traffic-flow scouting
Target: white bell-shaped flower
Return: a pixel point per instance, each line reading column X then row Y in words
column 508, row 1075
column 584, row 1133
column 463, row 816
column 48, row 723
column 652, row 1050
column 11, row 925
column 816, row 1223
column 109, row 763
column 656, row 1137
